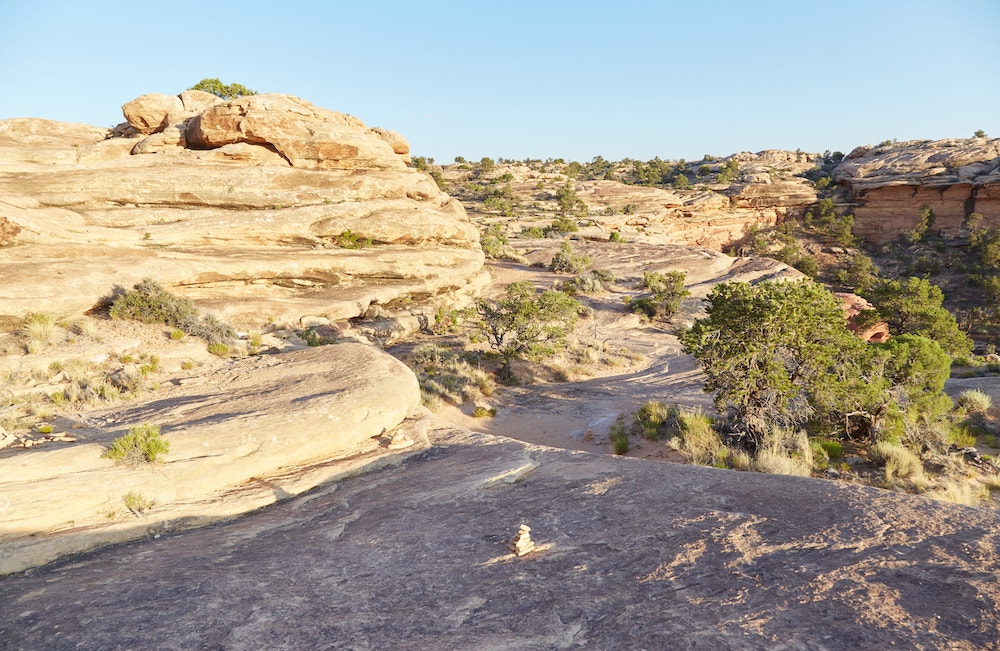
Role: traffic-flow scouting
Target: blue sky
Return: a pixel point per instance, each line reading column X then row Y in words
column 617, row 78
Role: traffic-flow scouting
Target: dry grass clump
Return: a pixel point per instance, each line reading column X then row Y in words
column 975, row 402
column 900, row 462
column 960, row 491
column 697, row 438
column 38, row 330
column 445, row 374
column 785, row 453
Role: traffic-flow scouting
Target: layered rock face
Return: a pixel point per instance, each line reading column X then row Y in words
column 890, row 184
column 250, row 207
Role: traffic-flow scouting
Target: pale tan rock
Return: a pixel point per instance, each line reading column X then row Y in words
column 170, row 139
column 196, row 101
column 307, row 136
column 235, row 228
column 247, row 422
column 151, row 113
column 396, row 140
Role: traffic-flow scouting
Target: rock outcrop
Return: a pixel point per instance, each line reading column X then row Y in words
column 233, row 434
column 890, row 183
column 767, row 191
column 263, row 208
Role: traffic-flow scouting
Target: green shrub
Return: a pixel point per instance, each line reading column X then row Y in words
column 177, row 334
column 668, row 291
column 148, row 302
column 568, row 262
column 617, row 237
column 563, row 225
column 533, row 233
column 225, row 91
column 483, row 412
column 218, row 348
column 619, row 438
column 351, row 240
column 655, row 420
column 136, row 503
column 142, row 444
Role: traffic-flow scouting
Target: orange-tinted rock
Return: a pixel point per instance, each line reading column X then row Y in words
column 853, row 306
column 305, row 135
column 890, row 184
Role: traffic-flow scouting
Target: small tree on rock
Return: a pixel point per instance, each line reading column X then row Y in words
column 225, row 91
column 525, row 324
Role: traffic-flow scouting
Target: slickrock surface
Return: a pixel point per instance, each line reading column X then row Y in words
column 238, row 205
column 890, row 183
column 234, row 435
column 629, row 554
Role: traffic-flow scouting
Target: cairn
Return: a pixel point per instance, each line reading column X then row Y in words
column 521, row 543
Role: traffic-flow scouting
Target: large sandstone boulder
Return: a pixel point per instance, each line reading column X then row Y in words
column 241, row 425
column 151, row 113
column 889, row 184
column 307, row 136
column 251, row 228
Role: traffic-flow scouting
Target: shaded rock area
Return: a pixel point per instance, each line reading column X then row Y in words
column 628, row 554
column 890, row 183
column 260, row 209
column 234, row 434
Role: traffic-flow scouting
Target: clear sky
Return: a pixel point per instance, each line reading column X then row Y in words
column 514, row 79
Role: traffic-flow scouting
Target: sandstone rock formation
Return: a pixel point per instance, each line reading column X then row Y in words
column 233, row 434
column 718, row 215
column 239, row 205
column 890, row 183
column 633, row 555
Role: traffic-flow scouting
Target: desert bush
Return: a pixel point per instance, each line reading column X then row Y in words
column 975, row 401
column 148, row 302
column 785, row 452
column 483, row 412
column 656, row 420
column 959, row 491
column 667, row 292
column 448, row 375
column 562, row 225
column 225, row 91
column 219, row 349
column 137, row 503
column 533, row 233
column 588, row 282
column 566, row 261
column 618, row 436
column 142, row 444
column 526, row 324
column 351, row 240
column 697, row 438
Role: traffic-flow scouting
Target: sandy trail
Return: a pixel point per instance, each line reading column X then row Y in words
column 578, row 414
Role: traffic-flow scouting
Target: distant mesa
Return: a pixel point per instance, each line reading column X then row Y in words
column 260, row 208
